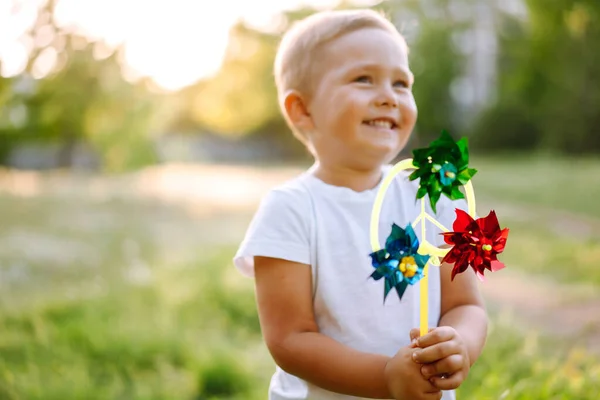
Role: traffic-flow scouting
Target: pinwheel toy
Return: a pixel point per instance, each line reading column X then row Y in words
column 442, row 169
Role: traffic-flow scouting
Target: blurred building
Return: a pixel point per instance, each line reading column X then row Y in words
column 475, row 88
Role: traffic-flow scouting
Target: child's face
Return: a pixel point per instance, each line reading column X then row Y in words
column 362, row 108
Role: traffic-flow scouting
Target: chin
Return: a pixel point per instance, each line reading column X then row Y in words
column 375, row 159
column 386, row 152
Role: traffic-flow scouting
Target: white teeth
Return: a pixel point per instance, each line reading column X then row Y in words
column 381, row 123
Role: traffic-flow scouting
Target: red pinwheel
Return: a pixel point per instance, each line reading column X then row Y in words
column 476, row 243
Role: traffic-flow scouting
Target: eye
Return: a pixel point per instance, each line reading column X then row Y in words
column 402, row 84
column 363, row 79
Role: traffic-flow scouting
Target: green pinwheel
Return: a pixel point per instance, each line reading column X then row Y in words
column 443, row 167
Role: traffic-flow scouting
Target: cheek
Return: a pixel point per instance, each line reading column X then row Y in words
column 409, row 110
column 339, row 110
column 342, row 112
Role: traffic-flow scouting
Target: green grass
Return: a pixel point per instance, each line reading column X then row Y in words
column 528, row 366
column 551, row 209
column 116, row 299
column 189, row 335
column 566, row 184
column 535, row 248
column 125, row 318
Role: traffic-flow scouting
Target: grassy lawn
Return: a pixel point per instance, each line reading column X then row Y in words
column 189, row 335
column 551, row 209
column 107, row 311
column 538, row 248
column 112, row 299
column 530, row 367
column 566, row 184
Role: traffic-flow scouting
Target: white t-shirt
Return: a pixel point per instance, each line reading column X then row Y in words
column 308, row 221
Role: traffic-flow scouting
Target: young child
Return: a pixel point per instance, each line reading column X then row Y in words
column 344, row 86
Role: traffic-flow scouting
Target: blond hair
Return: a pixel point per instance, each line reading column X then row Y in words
column 295, row 59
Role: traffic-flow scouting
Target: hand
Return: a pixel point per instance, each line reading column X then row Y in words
column 404, row 378
column 443, row 357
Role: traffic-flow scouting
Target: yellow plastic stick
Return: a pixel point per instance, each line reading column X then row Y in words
column 424, row 283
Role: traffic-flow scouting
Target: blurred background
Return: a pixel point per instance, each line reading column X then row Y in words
column 137, row 137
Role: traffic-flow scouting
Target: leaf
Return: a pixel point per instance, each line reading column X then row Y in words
column 456, row 193
column 378, row 256
column 401, row 288
column 387, row 289
column 421, row 260
column 376, row 275
column 433, row 199
column 420, row 156
column 444, row 141
column 397, row 233
column 397, row 240
column 447, row 190
column 421, row 192
column 416, row 174
column 435, row 187
column 463, row 147
column 412, row 241
column 465, row 175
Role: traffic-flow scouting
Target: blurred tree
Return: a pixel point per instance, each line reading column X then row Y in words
column 549, row 83
column 429, row 27
column 79, row 96
column 240, row 101
column 435, row 65
column 241, row 97
column 6, row 136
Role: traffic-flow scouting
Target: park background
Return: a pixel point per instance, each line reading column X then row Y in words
column 137, row 138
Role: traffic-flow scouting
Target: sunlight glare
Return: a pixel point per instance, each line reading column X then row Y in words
column 15, row 18
column 44, row 63
column 178, row 42
column 174, row 42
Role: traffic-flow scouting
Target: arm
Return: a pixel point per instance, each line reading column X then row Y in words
column 463, row 309
column 284, row 297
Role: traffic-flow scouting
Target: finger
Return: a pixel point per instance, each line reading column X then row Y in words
column 435, row 352
column 448, row 365
column 429, row 386
column 423, row 385
column 414, row 335
column 450, row 383
column 437, row 335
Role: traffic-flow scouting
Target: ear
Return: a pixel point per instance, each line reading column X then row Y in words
column 297, row 111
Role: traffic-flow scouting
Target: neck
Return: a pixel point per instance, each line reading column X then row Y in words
column 358, row 180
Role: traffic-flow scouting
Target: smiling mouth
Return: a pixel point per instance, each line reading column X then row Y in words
column 381, row 123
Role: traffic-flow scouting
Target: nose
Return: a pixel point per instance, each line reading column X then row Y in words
column 386, row 97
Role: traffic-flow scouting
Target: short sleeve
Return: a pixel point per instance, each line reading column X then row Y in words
column 447, row 214
column 279, row 229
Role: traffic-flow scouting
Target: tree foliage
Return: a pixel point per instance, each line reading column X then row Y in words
column 549, row 83
column 547, row 86
column 84, row 99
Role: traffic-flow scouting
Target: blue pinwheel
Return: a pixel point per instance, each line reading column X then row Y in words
column 399, row 263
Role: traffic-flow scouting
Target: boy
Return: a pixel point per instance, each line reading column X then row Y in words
column 344, row 86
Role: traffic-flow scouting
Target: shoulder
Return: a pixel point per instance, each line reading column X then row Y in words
column 285, row 209
column 292, row 195
column 279, row 229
